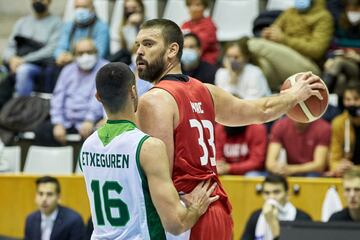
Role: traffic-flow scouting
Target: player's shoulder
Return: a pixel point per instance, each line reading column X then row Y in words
column 91, row 139
column 151, row 143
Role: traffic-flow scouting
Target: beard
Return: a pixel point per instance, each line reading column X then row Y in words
column 154, row 70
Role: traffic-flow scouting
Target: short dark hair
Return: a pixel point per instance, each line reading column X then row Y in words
column 193, row 35
column 276, row 179
column 171, row 32
column 353, row 86
column 48, row 179
column 112, row 84
column 205, row 3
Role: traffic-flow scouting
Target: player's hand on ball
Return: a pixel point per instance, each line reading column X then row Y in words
column 200, row 198
column 307, row 85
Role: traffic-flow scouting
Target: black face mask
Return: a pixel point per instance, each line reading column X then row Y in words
column 39, row 7
column 354, row 111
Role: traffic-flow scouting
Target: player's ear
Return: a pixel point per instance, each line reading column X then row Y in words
column 173, row 50
column 97, row 97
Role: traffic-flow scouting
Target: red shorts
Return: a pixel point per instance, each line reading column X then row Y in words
column 215, row 224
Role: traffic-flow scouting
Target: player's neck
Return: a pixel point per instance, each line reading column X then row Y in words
column 122, row 116
column 172, row 69
column 355, row 214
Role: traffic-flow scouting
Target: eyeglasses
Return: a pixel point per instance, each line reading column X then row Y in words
column 79, row 53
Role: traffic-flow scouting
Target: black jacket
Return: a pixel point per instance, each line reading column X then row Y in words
column 68, row 225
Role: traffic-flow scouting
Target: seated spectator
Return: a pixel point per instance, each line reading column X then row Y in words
column 204, row 28
column 133, row 17
column 240, row 75
column 191, row 63
column 343, row 64
column 31, row 44
column 240, row 150
column 307, row 160
column 295, row 42
column 73, row 107
column 351, row 185
column 345, row 139
column 85, row 25
column 52, row 220
column 264, row 223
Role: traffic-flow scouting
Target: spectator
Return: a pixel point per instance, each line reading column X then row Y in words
column 351, row 184
column 264, row 223
column 345, row 139
column 31, row 44
column 240, row 150
column 204, row 28
column 133, row 17
column 240, row 75
column 343, row 64
column 295, row 42
column 85, row 25
column 52, row 221
column 191, row 63
column 74, row 107
column 307, row 160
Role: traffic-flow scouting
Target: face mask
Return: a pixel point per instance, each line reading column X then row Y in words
column 189, row 56
column 236, row 66
column 86, row 61
column 83, row 15
column 302, row 5
column 354, row 111
column 354, row 17
column 39, row 7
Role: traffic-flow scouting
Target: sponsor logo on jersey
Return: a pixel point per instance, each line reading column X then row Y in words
column 196, row 107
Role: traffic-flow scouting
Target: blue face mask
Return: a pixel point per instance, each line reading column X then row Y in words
column 83, row 15
column 189, row 56
column 302, row 5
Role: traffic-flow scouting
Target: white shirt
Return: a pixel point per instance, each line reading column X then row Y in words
column 251, row 83
column 47, row 224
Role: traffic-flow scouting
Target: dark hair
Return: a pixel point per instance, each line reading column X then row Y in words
column 352, row 173
column 242, row 44
column 353, row 86
column 112, row 84
column 276, row 179
column 48, row 179
column 171, row 32
column 193, row 35
column 343, row 20
column 203, row 2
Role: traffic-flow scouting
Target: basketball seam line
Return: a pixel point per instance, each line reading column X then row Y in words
column 303, row 106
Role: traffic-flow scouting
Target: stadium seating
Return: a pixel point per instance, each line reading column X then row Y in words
column 234, row 18
column 49, row 160
column 11, row 157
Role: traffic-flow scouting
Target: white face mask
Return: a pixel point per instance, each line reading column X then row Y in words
column 354, row 17
column 86, row 61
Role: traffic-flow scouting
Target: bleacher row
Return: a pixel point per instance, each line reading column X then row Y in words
column 237, row 21
column 40, row 160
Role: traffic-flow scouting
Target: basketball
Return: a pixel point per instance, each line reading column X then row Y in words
column 311, row 109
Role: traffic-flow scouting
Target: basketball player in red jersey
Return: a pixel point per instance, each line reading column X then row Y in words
column 182, row 111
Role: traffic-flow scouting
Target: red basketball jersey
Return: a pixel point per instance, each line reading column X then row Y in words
column 194, row 140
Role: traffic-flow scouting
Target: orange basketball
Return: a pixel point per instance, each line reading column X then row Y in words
column 311, row 109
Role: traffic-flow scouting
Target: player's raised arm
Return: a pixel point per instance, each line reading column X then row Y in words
column 232, row 111
column 174, row 216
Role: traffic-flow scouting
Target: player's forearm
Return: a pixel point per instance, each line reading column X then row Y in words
column 274, row 107
column 185, row 218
